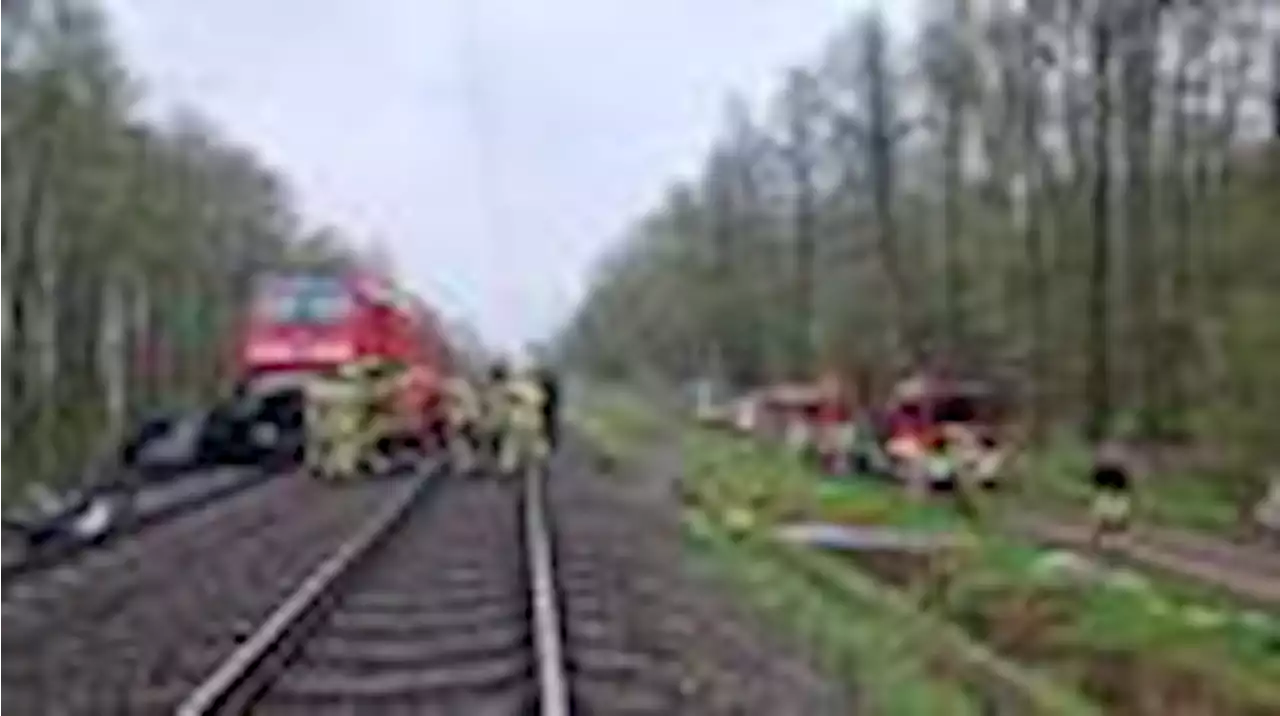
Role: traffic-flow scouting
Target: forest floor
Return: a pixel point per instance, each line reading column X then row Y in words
column 1054, row 630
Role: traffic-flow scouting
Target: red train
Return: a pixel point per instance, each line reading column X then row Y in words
column 302, row 324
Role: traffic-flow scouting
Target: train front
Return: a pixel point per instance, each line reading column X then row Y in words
column 300, row 325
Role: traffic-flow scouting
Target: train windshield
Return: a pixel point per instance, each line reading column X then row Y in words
column 304, row 300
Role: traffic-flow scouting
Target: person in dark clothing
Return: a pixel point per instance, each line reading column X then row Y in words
column 494, row 409
column 1112, row 505
column 551, row 406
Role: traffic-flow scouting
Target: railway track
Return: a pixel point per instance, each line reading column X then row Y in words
column 439, row 605
column 129, row 627
column 487, row 596
column 431, row 594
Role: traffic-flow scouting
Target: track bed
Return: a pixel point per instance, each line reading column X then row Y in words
column 130, row 627
column 435, row 622
column 439, row 619
column 435, row 615
column 644, row 635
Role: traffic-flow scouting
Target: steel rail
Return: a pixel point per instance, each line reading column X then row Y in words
column 234, row 684
column 553, row 691
column 237, row 681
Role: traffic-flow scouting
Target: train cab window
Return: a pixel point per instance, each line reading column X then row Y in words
column 304, row 301
column 328, row 308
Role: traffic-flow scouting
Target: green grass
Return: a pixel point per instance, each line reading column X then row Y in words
column 731, row 472
column 870, row 502
column 893, row 676
column 617, row 423
column 1067, row 626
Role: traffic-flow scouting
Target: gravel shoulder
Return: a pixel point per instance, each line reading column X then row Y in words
column 624, row 530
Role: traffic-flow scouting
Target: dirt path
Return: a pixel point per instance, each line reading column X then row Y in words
column 1250, row 573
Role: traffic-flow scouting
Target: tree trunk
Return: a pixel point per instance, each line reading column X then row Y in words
column 953, row 159
column 1099, row 376
column 112, row 359
column 45, row 366
column 806, row 257
column 145, row 357
column 881, row 139
column 1180, row 294
column 1139, row 83
column 1037, row 277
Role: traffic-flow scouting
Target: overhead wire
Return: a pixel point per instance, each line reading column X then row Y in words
column 486, row 175
column 484, row 124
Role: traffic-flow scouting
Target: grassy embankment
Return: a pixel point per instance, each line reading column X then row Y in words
column 944, row 635
column 619, row 426
column 851, row 625
column 847, row 637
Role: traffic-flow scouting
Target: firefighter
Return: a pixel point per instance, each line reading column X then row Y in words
column 319, row 400
column 494, row 405
column 417, row 405
column 463, row 416
column 524, row 438
column 378, row 382
column 834, row 419
column 334, row 417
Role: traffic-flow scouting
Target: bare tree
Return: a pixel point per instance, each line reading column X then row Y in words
column 1138, row 23
column 1099, row 375
column 799, row 150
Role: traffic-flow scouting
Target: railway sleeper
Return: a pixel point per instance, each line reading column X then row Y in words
column 514, row 668
column 422, row 625
column 339, row 650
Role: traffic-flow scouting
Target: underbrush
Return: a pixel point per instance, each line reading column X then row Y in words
column 1125, row 641
column 50, row 451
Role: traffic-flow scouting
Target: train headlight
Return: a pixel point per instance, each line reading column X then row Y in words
column 271, row 353
column 334, row 352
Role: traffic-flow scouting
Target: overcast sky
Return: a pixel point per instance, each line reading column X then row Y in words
column 495, row 147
